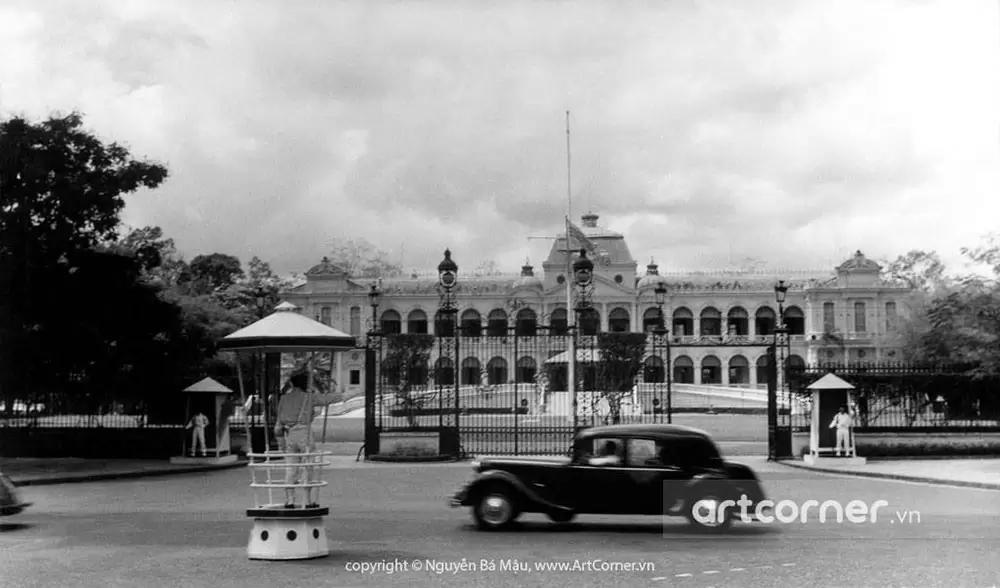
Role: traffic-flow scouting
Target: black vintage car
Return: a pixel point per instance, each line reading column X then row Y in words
column 617, row 469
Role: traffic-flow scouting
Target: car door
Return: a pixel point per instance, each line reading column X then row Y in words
column 598, row 489
column 657, row 474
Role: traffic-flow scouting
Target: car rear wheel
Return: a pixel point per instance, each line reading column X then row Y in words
column 704, row 512
column 495, row 509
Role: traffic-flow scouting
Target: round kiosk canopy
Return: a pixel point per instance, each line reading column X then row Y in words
column 286, row 331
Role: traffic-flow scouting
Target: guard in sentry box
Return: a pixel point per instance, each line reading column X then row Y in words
column 843, row 423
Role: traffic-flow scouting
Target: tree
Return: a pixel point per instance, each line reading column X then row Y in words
column 957, row 320
column 620, row 362
column 405, row 367
column 61, row 193
column 920, row 270
column 214, row 272
column 359, row 258
column 162, row 264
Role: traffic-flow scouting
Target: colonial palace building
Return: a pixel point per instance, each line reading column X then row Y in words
column 845, row 315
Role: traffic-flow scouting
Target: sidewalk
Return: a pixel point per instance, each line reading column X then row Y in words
column 37, row 471
column 968, row 473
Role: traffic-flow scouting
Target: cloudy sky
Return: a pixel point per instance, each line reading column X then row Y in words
column 789, row 131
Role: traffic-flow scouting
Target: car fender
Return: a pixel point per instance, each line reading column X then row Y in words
column 506, row 477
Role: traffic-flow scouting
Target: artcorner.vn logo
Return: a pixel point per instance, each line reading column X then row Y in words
column 788, row 511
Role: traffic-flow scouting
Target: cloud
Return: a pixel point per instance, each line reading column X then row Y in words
column 790, row 131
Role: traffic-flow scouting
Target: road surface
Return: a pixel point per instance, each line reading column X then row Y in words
column 191, row 531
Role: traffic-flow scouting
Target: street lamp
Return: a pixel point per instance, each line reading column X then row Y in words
column 448, row 312
column 662, row 333
column 447, row 281
column 780, row 421
column 373, row 295
column 583, row 276
column 780, row 289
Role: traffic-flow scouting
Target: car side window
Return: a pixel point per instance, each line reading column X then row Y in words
column 602, row 451
column 649, row 453
column 642, row 453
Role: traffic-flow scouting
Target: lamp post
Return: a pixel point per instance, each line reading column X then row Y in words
column 373, row 295
column 583, row 277
column 781, row 420
column 448, row 311
column 662, row 333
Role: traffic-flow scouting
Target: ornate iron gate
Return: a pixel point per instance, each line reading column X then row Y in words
column 502, row 392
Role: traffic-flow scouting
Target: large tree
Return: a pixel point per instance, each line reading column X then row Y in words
column 619, row 362
column 359, row 258
column 61, row 193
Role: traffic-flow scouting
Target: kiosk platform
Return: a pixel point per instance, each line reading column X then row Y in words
column 280, row 532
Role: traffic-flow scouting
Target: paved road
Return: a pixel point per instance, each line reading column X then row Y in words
column 190, row 531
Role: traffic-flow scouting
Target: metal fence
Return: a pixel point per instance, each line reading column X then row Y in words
column 504, row 394
column 907, row 397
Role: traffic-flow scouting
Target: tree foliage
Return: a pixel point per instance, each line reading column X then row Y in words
column 61, row 192
column 361, row 259
column 620, row 362
column 952, row 319
column 406, row 365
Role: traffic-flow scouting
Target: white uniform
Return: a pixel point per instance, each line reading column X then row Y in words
column 198, row 424
column 295, row 416
column 843, row 423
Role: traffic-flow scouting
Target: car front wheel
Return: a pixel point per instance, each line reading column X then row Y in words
column 496, row 509
column 705, row 512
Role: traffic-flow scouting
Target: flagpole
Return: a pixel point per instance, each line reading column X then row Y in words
column 570, row 314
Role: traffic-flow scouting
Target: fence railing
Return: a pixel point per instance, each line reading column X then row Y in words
column 905, row 396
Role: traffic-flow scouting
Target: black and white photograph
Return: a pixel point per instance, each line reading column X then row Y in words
column 562, row 293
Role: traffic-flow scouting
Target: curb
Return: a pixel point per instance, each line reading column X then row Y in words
column 104, row 476
column 412, row 458
column 883, row 476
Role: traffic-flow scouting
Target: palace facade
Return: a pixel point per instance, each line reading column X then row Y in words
column 846, row 314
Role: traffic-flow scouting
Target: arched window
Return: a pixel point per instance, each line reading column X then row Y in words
column 444, row 372
column 391, row 323
column 496, row 371
column 795, row 363
column 418, row 374
column 444, row 324
column 416, row 322
column 590, row 322
column 471, row 372
column 795, row 320
column 652, row 370
column 558, row 322
column 711, row 322
column 356, row 321
column 496, row 323
column 764, row 321
column 651, row 319
column 324, row 314
column 527, row 323
column 684, row 370
column 527, row 367
column 683, row 322
column 739, row 321
column 739, row 370
column 711, row 370
column 619, row 321
column 472, row 323
column 762, row 370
